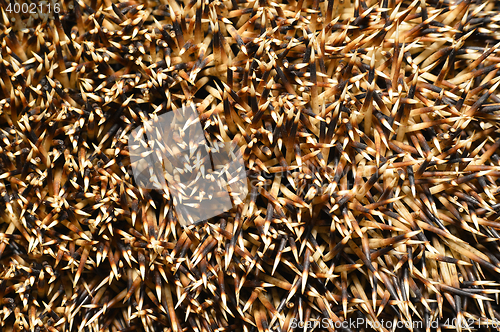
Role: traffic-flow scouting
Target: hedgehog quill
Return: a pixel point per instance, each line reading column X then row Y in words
column 370, row 139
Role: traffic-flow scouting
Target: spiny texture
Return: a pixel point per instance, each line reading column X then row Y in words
column 370, row 136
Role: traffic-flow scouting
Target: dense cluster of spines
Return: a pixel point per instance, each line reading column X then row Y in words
column 370, row 135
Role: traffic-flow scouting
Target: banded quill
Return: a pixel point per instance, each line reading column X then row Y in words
column 370, row 138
